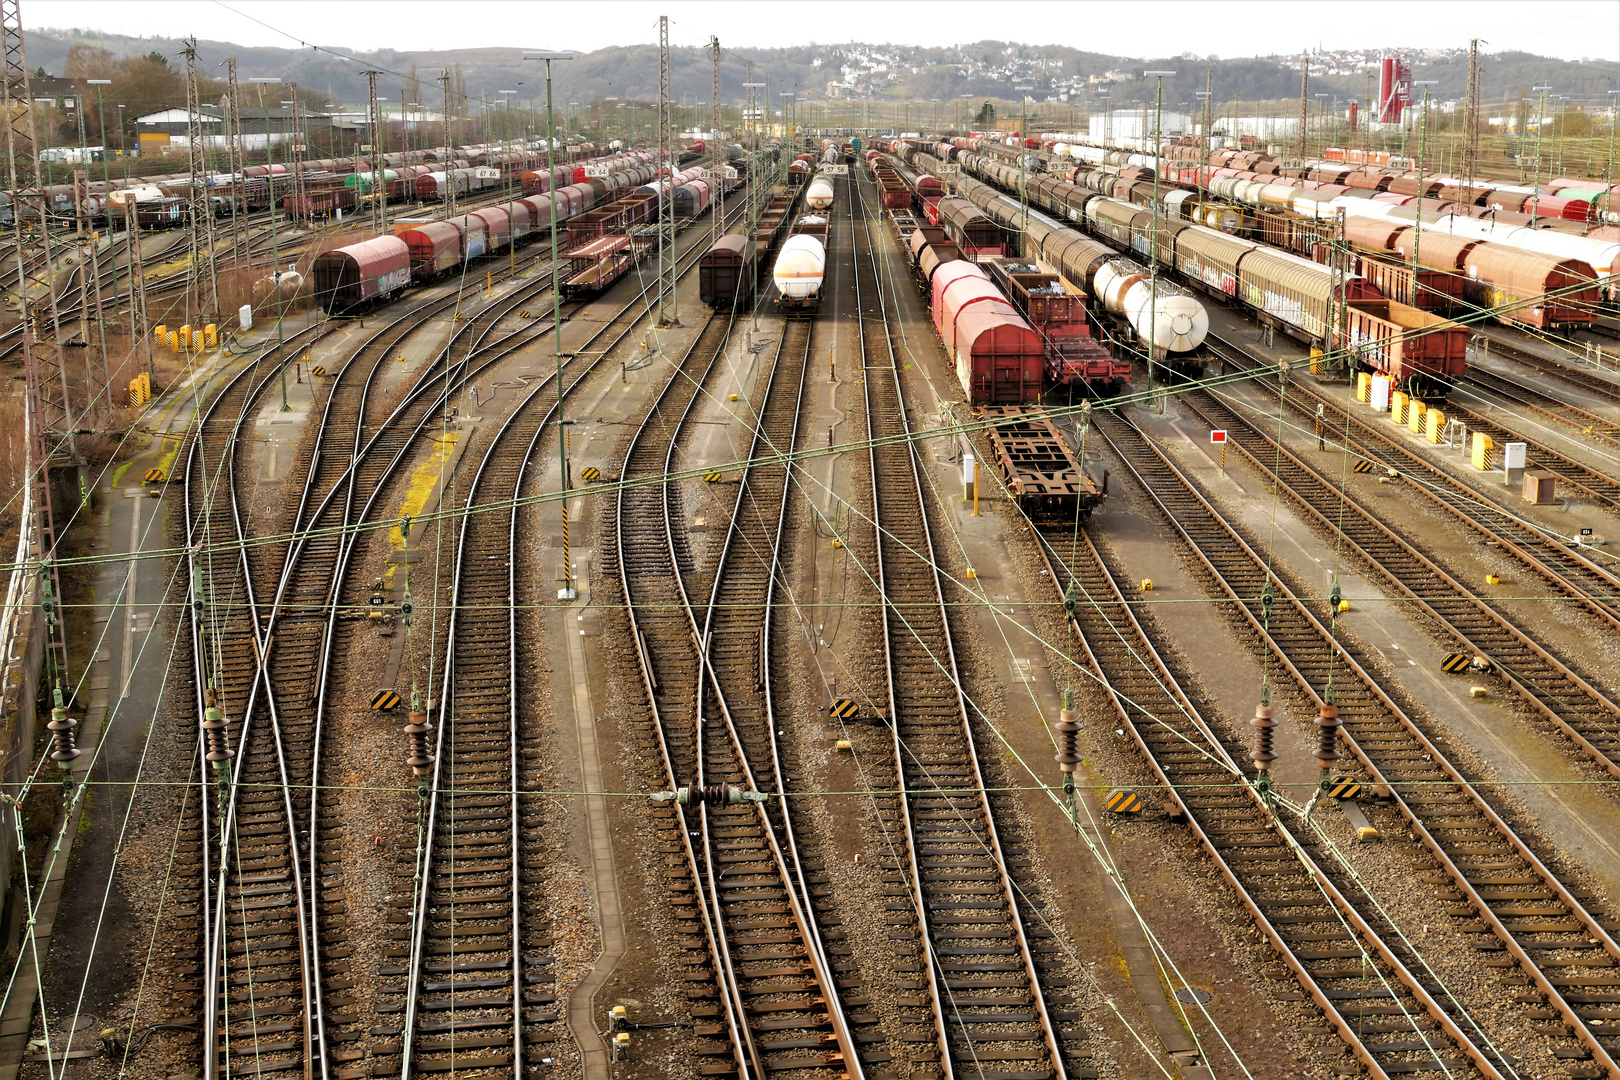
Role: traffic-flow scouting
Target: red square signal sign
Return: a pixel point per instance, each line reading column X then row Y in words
column 1217, row 436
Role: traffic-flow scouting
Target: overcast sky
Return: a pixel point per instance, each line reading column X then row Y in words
column 1569, row 29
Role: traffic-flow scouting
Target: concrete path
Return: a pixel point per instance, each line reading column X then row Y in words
column 582, row 1012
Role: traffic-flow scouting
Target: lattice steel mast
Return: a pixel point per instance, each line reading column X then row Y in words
column 204, row 275
column 1471, row 119
column 1304, row 98
column 667, row 309
column 235, row 163
column 717, row 227
column 378, row 215
column 48, row 418
column 296, row 157
column 450, row 152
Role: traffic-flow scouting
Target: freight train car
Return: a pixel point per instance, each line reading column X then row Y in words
column 1043, row 477
column 728, row 272
column 369, row 272
column 800, row 267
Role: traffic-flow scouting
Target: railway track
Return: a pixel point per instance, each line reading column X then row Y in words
column 1541, row 403
column 256, row 943
column 1552, row 943
column 1577, row 708
column 1381, row 1000
column 474, row 991
column 980, row 976
column 1551, row 557
column 1503, row 343
column 284, row 699
column 779, row 986
column 775, row 1002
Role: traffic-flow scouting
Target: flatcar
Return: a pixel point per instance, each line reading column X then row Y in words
column 1047, row 483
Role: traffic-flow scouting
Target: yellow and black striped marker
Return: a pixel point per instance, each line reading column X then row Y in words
column 318, row 371
column 154, row 476
column 845, row 709
column 712, row 476
column 1123, row 801
column 1454, row 662
column 1343, row 787
column 592, row 473
column 384, row 700
column 524, row 315
column 1364, row 466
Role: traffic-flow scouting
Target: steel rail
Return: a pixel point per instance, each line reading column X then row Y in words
column 1563, row 567
column 242, row 631
column 1572, row 703
column 1157, row 703
column 1426, row 786
column 1544, row 404
column 590, row 356
column 689, row 374
column 1504, row 342
column 266, row 639
column 739, row 594
column 907, row 563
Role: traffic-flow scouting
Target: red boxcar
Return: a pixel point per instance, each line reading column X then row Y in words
column 434, row 248
column 1423, row 353
column 371, row 270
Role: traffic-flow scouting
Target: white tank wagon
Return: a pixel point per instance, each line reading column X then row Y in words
column 800, row 267
column 1168, row 315
column 819, row 195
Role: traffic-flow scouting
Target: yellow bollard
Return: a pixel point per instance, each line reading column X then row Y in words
column 160, row 333
column 1436, row 426
column 1397, row 406
column 1482, row 447
column 1316, row 360
column 174, row 340
column 211, row 335
column 1363, row 387
column 1414, row 416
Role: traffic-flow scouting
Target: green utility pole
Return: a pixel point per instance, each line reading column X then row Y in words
column 567, row 591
